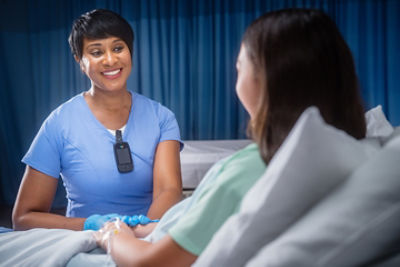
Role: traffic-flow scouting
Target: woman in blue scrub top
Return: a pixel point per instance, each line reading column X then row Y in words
column 78, row 140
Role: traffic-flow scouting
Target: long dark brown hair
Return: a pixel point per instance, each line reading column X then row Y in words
column 306, row 63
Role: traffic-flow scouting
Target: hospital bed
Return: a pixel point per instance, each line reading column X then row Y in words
column 303, row 211
column 198, row 156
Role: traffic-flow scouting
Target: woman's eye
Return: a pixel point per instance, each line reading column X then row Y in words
column 118, row 48
column 96, row 53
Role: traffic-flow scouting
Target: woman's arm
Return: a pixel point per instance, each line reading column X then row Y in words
column 167, row 182
column 127, row 250
column 35, row 196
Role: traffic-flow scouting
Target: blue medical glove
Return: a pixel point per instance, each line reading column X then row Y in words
column 96, row 221
column 136, row 219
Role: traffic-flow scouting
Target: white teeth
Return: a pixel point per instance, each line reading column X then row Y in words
column 112, row 72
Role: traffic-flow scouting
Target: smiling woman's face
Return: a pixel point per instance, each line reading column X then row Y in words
column 107, row 63
column 248, row 86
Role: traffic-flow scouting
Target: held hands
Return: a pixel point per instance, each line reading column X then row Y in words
column 106, row 234
column 96, row 221
column 120, row 225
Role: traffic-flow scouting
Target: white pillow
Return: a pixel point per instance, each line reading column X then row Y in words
column 394, row 135
column 377, row 124
column 312, row 161
column 352, row 227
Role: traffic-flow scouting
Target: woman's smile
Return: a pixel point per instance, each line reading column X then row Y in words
column 112, row 74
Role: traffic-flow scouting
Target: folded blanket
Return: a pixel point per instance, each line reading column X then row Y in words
column 43, row 247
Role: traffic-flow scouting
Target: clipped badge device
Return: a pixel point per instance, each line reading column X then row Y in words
column 122, row 154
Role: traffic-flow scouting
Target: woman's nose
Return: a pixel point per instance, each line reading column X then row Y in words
column 109, row 58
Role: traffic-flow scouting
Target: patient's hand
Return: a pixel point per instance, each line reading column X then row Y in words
column 142, row 231
column 110, row 229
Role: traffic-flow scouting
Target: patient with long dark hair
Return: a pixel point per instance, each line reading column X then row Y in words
column 289, row 60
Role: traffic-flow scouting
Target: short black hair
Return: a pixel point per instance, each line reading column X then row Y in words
column 99, row 24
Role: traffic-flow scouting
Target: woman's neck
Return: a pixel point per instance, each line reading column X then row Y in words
column 110, row 108
column 109, row 100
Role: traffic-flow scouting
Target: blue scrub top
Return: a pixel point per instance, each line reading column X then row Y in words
column 74, row 144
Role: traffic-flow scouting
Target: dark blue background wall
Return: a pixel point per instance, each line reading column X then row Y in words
column 185, row 53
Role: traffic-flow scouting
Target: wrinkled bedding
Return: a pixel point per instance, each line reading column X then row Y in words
column 51, row 247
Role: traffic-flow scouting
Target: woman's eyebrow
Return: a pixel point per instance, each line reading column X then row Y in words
column 94, row 44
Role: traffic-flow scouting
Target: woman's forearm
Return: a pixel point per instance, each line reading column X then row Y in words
column 34, row 219
column 165, row 200
column 167, row 182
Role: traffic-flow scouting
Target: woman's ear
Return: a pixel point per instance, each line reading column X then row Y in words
column 82, row 67
column 80, row 62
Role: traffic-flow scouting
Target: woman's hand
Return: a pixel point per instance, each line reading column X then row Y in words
column 119, row 241
column 108, row 231
column 142, row 231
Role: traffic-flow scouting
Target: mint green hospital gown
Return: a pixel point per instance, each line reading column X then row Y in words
column 218, row 200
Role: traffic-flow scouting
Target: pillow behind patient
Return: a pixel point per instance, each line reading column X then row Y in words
column 377, row 124
column 354, row 225
column 314, row 159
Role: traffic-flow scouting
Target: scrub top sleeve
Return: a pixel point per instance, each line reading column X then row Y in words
column 169, row 129
column 44, row 153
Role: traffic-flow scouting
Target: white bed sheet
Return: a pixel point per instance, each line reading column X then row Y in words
column 198, row 156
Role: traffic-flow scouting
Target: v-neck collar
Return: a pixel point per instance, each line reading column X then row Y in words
column 93, row 118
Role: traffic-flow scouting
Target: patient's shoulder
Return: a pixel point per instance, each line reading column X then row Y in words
column 241, row 171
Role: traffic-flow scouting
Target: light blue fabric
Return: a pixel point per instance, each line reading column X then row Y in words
column 74, row 143
column 44, row 247
column 95, row 258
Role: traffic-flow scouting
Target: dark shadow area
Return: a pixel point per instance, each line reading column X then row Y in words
column 5, row 216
